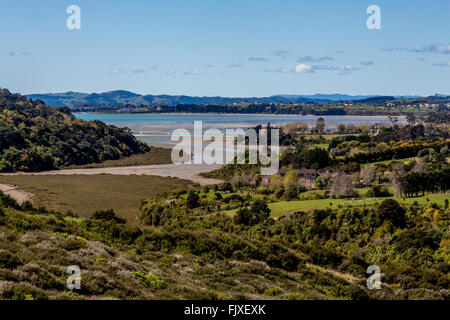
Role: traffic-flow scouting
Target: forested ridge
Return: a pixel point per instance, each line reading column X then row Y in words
column 36, row 137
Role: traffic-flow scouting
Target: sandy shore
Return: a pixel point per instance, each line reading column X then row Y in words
column 20, row 195
column 254, row 114
column 184, row 171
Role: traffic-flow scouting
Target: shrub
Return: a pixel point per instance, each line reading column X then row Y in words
column 379, row 192
column 150, row 280
column 193, row 200
column 392, row 211
column 290, row 193
column 8, row 260
column 107, row 215
column 258, row 212
column 23, row 292
column 273, row 292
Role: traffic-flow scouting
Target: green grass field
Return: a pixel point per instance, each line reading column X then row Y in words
column 389, row 161
column 281, row 208
column 84, row 194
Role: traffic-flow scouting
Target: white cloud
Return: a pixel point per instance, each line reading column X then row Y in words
column 348, row 69
column 436, row 48
column 170, row 73
column 193, row 72
column 116, row 71
column 303, row 68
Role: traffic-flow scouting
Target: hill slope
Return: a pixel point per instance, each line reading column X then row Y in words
column 37, row 137
column 121, row 97
column 119, row 261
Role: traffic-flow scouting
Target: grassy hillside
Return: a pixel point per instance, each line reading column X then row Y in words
column 408, row 242
column 183, row 249
column 36, row 137
column 119, row 261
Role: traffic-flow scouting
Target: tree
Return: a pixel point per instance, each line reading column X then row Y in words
column 342, row 186
column 316, row 158
column 392, row 211
column 320, row 125
column 411, row 118
column 290, row 179
column 393, row 120
column 351, row 128
column 368, row 174
column 398, row 179
column 257, row 213
column 322, row 182
column 379, row 192
column 107, row 215
column 290, row 193
column 341, row 128
column 303, row 127
column 275, row 182
column 192, row 200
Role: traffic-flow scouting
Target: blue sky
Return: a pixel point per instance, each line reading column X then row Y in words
column 226, row 47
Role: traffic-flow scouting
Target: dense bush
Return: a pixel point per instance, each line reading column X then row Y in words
column 36, row 137
column 257, row 213
column 397, row 151
column 379, row 191
column 390, row 210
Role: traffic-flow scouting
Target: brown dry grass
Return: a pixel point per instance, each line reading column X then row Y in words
column 84, row 194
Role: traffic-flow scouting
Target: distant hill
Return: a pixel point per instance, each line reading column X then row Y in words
column 377, row 100
column 331, row 97
column 121, row 97
column 35, row 137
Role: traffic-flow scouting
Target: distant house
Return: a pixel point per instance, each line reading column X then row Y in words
column 302, row 173
column 265, row 180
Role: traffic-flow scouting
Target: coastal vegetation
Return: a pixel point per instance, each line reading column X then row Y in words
column 343, row 200
column 182, row 250
column 35, row 137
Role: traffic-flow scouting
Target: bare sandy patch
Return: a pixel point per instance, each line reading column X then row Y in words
column 13, row 191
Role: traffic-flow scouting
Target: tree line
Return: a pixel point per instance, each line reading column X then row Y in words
column 418, row 183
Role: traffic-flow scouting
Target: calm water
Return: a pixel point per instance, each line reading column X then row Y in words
column 220, row 121
column 159, row 126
